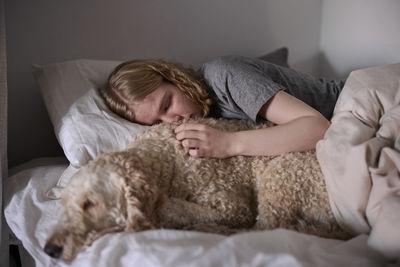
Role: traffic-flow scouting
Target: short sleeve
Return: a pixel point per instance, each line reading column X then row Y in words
column 241, row 85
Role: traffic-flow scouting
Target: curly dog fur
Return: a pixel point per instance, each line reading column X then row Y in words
column 154, row 183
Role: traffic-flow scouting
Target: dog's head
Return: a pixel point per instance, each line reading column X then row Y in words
column 108, row 195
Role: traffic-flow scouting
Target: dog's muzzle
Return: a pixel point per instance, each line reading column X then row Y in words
column 53, row 250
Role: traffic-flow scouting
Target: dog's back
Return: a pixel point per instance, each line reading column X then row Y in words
column 226, row 185
column 283, row 191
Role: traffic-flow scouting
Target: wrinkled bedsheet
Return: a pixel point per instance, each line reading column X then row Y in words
column 360, row 157
column 31, row 215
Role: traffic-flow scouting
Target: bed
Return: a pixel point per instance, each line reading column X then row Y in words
column 359, row 156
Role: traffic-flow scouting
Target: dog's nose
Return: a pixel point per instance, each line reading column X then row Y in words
column 53, row 251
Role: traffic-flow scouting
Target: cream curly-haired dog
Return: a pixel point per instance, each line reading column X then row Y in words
column 154, row 183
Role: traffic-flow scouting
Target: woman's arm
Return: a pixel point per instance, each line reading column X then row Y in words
column 299, row 127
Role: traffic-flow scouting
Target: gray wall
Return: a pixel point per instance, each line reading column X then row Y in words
column 190, row 31
column 357, row 34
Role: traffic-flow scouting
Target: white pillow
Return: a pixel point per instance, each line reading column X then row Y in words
column 84, row 126
column 90, row 128
column 61, row 84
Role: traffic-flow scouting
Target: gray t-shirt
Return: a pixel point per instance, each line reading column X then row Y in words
column 240, row 86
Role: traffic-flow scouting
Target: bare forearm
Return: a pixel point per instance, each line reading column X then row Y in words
column 297, row 135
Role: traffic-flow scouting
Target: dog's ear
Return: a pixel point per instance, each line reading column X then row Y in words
column 141, row 196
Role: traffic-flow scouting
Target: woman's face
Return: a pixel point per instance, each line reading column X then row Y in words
column 165, row 104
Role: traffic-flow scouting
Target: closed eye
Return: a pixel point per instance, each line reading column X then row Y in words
column 87, row 204
column 166, row 104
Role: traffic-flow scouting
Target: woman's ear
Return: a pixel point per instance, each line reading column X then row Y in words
column 141, row 195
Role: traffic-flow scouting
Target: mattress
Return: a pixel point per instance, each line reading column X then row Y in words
column 31, row 216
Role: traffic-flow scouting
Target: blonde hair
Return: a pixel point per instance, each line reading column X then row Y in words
column 132, row 81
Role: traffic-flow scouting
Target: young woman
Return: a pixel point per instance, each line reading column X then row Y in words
column 155, row 91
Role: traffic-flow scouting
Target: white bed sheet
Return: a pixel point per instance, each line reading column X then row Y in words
column 31, row 216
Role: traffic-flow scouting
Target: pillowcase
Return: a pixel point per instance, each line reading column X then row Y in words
column 84, row 126
column 61, row 84
column 90, row 128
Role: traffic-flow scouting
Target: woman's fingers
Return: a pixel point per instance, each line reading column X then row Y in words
column 190, row 127
column 195, row 152
column 193, row 137
column 191, row 143
column 203, row 140
column 191, row 131
column 189, row 134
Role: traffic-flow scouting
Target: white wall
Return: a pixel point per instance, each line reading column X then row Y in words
column 357, row 34
column 190, row 31
column 325, row 37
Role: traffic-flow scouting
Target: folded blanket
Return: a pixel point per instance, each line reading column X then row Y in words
column 360, row 157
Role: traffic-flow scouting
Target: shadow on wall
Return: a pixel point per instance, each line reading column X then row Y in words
column 309, row 65
column 341, row 66
column 326, row 69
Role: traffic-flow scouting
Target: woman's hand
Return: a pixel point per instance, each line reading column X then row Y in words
column 205, row 141
column 299, row 127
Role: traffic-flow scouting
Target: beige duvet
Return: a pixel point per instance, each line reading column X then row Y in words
column 360, row 157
